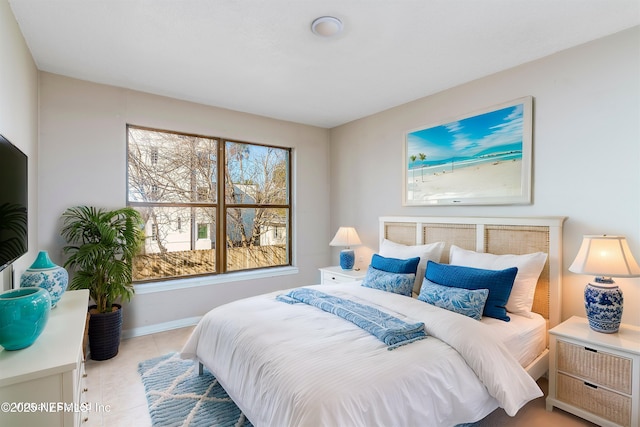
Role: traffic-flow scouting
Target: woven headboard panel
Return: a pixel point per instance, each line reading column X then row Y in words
column 493, row 235
column 520, row 240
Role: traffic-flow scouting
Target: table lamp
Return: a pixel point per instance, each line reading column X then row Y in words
column 605, row 257
column 346, row 236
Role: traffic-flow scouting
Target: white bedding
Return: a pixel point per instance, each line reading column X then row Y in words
column 524, row 337
column 293, row 365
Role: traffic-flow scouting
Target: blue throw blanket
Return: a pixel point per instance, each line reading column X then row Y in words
column 387, row 328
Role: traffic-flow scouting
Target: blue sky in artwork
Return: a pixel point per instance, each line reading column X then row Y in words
column 488, row 133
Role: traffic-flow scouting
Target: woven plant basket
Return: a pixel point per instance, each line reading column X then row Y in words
column 104, row 333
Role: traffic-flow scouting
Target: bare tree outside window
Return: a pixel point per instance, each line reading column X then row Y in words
column 257, row 205
column 174, row 182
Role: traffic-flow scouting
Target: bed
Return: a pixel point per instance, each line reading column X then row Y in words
column 293, row 364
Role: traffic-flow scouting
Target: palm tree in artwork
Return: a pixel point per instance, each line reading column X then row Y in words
column 413, row 158
column 422, row 157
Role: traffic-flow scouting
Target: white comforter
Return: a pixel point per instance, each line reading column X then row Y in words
column 295, row 365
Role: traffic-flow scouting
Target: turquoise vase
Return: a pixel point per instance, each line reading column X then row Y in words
column 45, row 274
column 24, row 313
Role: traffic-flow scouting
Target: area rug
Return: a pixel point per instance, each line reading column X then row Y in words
column 178, row 397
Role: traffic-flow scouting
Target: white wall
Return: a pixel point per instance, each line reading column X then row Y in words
column 586, row 153
column 19, row 121
column 83, row 161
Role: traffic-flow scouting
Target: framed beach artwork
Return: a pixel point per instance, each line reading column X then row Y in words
column 483, row 158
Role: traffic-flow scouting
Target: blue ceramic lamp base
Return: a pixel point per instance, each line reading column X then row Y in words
column 603, row 305
column 347, row 259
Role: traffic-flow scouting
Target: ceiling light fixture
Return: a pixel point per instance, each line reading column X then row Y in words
column 326, row 26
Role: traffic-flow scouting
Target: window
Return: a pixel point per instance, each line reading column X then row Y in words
column 203, row 231
column 153, row 193
column 203, row 194
column 154, row 155
column 215, row 190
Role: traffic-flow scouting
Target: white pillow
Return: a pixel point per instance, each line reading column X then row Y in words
column 524, row 287
column 431, row 251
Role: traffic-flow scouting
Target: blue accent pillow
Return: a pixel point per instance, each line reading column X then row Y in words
column 499, row 283
column 463, row 301
column 395, row 265
column 398, row 283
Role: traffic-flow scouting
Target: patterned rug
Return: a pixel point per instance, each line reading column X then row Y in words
column 178, row 396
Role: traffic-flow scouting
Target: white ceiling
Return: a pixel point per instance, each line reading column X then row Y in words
column 260, row 57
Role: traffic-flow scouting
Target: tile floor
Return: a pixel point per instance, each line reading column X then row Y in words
column 115, row 384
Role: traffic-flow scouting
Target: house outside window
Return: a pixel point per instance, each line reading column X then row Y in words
column 215, row 190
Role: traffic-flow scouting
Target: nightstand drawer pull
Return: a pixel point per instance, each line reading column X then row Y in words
column 591, row 385
column 591, row 349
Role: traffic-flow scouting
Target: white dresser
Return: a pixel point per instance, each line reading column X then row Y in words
column 41, row 385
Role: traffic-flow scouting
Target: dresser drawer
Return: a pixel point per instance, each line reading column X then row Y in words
column 328, row 277
column 596, row 367
column 79, row 382
column 597, row 400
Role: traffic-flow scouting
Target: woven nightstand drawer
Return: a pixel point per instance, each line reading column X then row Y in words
column 595, row 367
column 607, row 404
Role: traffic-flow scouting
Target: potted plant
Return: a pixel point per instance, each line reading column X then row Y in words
column 101, row 247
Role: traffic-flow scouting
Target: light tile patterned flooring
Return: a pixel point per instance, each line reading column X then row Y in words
column 115, row 384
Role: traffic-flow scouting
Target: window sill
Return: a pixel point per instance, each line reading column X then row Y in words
column 172, row 285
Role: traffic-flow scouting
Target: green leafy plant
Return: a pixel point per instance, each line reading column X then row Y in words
column 101, row 247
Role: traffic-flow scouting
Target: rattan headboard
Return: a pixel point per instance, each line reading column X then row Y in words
column 493, row 235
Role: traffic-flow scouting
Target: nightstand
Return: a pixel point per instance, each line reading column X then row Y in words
column 338, row 275
column 594, row 375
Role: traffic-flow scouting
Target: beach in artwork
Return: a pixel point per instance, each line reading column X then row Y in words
column 472, row 159
column 482, row 180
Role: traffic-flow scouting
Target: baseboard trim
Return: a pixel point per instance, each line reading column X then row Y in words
column 160, row 327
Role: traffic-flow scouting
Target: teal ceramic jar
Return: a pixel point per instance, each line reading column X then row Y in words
column 45, row 274
column 24, row 313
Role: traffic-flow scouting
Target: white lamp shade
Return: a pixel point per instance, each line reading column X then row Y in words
column 346, row 236
column 608, row 256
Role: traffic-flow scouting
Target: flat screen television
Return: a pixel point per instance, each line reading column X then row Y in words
column 13, row 203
